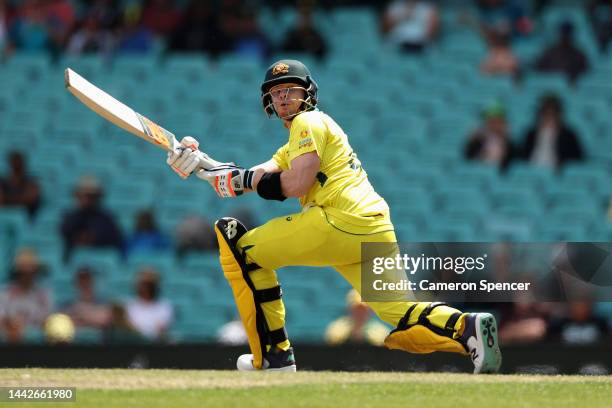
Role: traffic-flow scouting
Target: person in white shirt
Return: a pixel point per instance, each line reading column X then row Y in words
column 411, row 24
column 147, row 313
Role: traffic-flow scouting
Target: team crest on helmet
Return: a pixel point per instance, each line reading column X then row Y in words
column 280, row 68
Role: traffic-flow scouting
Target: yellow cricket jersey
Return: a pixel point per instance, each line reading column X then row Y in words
column 342, row 188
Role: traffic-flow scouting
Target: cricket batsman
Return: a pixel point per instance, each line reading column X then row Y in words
column 340, row 210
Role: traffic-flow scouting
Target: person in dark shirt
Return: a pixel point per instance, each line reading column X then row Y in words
column 550, row 142
column 18, row 188
column 147, row 236
column 304, row 37
column 579, row 325
column 564, row 56
column 89, row 224
column 491, row 142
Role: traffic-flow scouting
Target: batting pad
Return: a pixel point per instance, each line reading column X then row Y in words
column 228, row 232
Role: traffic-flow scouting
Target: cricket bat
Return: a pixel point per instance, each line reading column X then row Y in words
column 118, row 113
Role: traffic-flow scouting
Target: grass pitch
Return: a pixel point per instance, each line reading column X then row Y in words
column 185, row 388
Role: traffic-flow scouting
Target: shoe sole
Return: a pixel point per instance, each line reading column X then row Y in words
column 244, row 363
column 291, row 368
column 486, row 335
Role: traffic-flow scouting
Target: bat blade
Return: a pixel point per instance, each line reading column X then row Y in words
column 118, row 113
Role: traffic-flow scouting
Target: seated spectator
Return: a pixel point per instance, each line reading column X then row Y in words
column 564, row 56
column 239, row 23
column 148, row 314
column 146, row 236
column 108, row 13
column 162, row 17
column 29, row 30
column 87, row 310
column 42, row 25
column 491, row 142
column 550, row 142
column 18, row 188
column 62, row 17
column 304, row 37
column 359, row 326
column 600, row 16
column 199, row 31
column 23, row 303
column 579, row 325
column 411, row 24
column 500, row 59
column 504, row 18
column 232, row 334
column 522, row 322
column 121, row 330
column 6, row 15
column 195, row 233
column 134, row 37
column 89, row 224
column 91, row 37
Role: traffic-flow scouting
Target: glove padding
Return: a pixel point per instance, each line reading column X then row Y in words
column 187, row 158
column 228, row 180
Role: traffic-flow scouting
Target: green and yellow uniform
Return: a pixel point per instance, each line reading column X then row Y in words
column 339, row 212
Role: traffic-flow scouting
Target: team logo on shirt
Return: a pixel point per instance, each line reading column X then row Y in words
column 304, row 143
column 280, row 68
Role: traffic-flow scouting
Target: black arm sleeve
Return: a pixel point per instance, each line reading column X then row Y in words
column 269, row 187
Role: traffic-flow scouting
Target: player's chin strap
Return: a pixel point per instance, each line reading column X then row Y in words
column 248, row 299
column 428, row 327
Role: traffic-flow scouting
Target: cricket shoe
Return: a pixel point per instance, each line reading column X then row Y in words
column 480, row 340
column 276, row 360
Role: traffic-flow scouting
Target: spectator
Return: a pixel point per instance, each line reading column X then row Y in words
column 232, row 334
column 18, row 188
column 579, row 325
column 148, row 314
column 239, row 23
column 121, row 331
column 134, row 38
column 600, row 16
column 62, row 17
column 195, row 233
column 162, row 17
column 91, row 37
column 411, row 24
column 304, row 37
column 6, row 15
column 146, row 236
column 564, row 56
column 500, row 59
column 23, row 303
column 491, row 142
column 551, row 142
column 87, row 310
column 29, row 30
column 359, row 326
column 107, row 13
column 89, row 224
column 522, row 322
column 505, row 18
column 199, row 31
column 42, row 25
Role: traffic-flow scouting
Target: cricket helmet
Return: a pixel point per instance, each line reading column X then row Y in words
column 288, row 71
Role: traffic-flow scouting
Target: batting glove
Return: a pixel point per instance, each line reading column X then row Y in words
column 188, row 158
column 228, row 180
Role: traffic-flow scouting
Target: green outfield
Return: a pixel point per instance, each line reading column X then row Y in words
column 182, row 388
